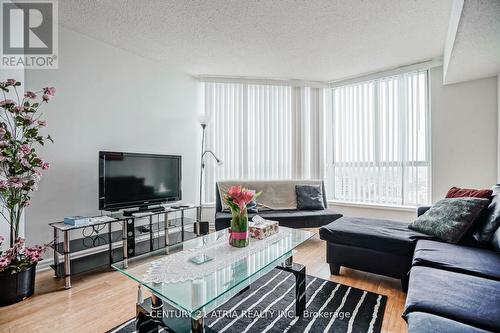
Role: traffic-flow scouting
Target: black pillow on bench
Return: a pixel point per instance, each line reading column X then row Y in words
column 309, row 197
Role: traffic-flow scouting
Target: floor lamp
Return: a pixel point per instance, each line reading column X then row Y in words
column 202, row 167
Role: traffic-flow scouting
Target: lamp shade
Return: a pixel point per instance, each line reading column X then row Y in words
column 204, row 119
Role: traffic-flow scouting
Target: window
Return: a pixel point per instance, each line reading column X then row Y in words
column 378, row 146
column 262, row 131
column 368, row 140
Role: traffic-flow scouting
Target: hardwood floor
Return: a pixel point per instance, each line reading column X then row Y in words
column 99, row 301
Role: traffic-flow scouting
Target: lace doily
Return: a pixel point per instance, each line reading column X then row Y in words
column 178, row 267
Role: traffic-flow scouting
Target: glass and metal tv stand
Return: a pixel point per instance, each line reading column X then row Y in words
column 98, row 245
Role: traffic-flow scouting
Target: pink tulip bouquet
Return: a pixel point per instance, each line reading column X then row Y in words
column 21, row 127
column 238, row 198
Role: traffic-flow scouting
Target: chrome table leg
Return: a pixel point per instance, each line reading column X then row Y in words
column 198, row 323
column 67, row 261
column 124, row 241
column 56, row 254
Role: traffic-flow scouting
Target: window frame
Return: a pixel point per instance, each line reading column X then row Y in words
column 377, row 156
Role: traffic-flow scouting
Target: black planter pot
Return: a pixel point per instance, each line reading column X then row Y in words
column 17, row 287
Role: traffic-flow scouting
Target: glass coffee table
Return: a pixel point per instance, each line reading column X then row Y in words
column 197, row 276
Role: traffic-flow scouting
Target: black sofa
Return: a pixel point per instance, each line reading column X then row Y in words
column 378, row 246
column 450, row 288
column 292, row 218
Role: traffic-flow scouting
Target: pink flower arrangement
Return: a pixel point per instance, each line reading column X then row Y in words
column 19, row 257
column 25, row 149
column 51, row 91
column 30, row 94
column 20, row 166
column 6, row 103
column 15, row 182
column 238, row 197
column 17, row 109
column 25, row 163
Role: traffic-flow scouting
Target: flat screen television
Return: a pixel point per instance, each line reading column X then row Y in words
column 138, row 180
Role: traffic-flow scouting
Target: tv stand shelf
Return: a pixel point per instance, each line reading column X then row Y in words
column 96, row 246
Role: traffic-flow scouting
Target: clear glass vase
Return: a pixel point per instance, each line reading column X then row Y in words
column 238, row 230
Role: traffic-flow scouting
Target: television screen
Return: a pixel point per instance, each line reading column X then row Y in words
column 131, row 179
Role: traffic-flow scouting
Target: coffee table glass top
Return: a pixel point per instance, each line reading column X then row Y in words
column 176, row 275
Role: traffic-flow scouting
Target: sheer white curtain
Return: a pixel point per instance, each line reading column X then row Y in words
column 262, row 131
column 379, row 149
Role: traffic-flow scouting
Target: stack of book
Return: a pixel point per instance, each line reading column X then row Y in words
column 77, row 221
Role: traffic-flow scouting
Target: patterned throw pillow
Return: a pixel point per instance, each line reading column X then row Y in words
column 450, row 218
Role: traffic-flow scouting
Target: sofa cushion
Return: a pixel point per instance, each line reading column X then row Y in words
column 465, row 298
column 464, row 259
column 489, row 220
column 286, row 218
column 456, row 192
column 449, row 219
column 376, row 234
column 309, row 197
column 421, row 322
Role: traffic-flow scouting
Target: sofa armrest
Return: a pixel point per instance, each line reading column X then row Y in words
column 422, row 209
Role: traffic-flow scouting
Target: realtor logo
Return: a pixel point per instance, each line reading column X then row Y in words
column 29, row 34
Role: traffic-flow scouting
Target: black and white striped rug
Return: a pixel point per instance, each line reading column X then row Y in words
column 269, row 306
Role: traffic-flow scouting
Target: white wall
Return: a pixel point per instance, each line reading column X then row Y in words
column 107, row 99
column 464, row 134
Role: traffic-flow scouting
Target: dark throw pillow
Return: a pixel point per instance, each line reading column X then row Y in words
column 309, row 197
column 490, row 219
column 456, row 192
column 450, row 218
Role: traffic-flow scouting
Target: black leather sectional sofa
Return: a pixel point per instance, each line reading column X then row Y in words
column 450, row 288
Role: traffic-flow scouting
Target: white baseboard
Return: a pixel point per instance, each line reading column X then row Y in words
column 44, row 265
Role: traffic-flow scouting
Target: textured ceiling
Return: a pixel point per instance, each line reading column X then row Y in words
column 476, row 48
column 311, row 40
